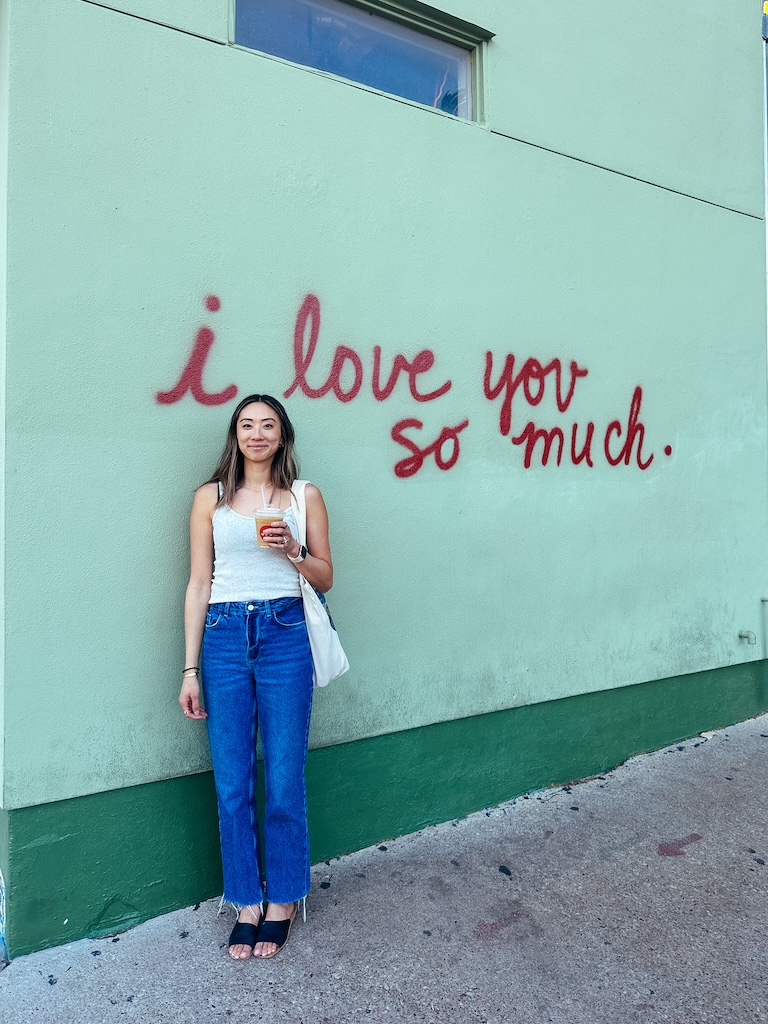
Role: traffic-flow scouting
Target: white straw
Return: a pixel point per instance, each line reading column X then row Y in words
column 263, row 498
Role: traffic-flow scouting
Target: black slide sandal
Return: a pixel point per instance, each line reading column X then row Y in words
column 243, row 934
column 275, row 931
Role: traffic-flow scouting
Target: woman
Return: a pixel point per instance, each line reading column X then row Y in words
column 243, row 606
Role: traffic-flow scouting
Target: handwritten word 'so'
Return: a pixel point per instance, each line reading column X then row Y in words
column 413, row 463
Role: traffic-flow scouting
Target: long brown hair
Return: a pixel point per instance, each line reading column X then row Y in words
column 230, row 471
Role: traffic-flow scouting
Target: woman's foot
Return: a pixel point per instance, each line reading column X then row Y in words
column 282, row 915
column 243, row 937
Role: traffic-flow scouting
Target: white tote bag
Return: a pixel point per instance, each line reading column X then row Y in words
column 328, row 655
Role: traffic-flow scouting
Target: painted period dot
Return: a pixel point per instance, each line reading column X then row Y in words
column 213, row 303
column 668, row 449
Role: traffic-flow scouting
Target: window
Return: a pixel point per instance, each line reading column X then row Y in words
column 408, row 50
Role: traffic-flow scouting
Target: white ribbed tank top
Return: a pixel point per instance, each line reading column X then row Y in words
column 242, row 571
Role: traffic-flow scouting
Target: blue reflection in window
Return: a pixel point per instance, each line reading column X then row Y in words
column 335, row 37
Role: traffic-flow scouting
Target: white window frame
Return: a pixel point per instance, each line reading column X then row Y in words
column 429, row 21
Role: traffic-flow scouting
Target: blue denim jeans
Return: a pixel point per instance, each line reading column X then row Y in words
column 257, row 674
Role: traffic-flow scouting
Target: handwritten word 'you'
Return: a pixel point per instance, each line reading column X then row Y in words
column 507, row 380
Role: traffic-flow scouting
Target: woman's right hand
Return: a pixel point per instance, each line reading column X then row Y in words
column 189, row 698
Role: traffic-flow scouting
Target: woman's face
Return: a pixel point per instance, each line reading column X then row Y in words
column 258, row 432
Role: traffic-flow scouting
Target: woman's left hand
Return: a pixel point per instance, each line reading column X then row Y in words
column 279, row 537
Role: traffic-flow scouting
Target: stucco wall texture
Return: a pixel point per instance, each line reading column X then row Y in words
column 605, row 221
column 4, row 64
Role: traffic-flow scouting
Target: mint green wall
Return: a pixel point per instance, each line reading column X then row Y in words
column 667, row 92
column 4, row 75
column 150, row 168
column 207, row 18
column 662, row 92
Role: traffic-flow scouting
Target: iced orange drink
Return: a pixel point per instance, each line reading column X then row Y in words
column 265, row 516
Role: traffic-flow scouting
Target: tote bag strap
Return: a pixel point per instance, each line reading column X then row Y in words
column 299, row 505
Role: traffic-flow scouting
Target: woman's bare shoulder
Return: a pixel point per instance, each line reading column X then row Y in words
column 313, row 495
column 206, row 496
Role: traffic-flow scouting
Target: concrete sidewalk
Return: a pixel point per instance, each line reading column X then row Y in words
column 641, row 895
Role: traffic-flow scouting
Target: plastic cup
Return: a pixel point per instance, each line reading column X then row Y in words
column 265, row 515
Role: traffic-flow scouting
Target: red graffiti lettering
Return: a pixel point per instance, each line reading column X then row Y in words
column 586, row 451
column 634, row 429
column 191, row 378
column 304, row 352
column 531, row 434
column 308, row 313
column 421, row 362
column 533, row 380
column 532, row 376
column 413, row 463
column 334, row 377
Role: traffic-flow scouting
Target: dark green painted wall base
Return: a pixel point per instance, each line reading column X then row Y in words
column 98, row 864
